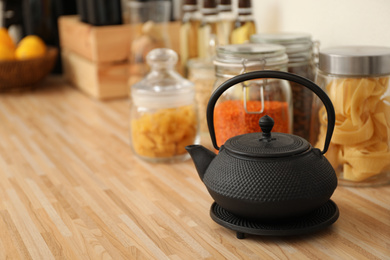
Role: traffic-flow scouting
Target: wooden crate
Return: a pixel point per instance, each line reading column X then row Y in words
column 96, row 58
column 102, row 81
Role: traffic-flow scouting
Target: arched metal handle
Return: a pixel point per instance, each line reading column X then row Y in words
column 276, row 75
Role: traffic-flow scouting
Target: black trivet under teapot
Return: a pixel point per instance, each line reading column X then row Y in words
column 268, row 177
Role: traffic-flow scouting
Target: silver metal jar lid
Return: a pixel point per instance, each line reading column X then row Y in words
column 294, row 42
column 251, row 54
column 355, row 60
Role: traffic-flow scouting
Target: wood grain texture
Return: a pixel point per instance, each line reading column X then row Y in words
column 71, row 188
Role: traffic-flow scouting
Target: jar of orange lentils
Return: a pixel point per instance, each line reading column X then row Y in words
column 239, row 109
column 163, row 118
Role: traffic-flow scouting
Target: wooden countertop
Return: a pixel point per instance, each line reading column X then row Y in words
column 70, row 188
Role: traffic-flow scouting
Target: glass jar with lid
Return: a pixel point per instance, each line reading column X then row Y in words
column 357, row 80
column 299, row 49
column 239, row 109
column 163, row 118
column 244, row 25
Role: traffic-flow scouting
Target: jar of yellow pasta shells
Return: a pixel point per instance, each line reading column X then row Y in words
column 357, row 80
column 163, row 118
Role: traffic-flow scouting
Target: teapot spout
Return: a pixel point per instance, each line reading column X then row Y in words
column 202, row 158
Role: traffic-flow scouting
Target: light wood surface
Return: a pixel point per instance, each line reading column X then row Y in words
column 70, row 188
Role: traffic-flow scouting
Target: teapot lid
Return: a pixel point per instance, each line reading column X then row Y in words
column 267, row 145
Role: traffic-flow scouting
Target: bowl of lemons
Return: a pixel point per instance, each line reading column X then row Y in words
column 26, row 63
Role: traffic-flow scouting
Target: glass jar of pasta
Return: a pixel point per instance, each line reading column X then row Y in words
column 299, row 49
column 357, row 80
column 239, row 109
column 163, row 118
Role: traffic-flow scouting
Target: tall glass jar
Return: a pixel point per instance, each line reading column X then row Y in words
column 149, row 31
column 163, row 118
column 225, row 24
column 201, row 73
column 357, row 80
column 244, row 25
column 207, row 31
column 190, row 23
column 299, row 49
column 239, row 109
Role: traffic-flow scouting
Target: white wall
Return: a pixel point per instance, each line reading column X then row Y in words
column 332, row 22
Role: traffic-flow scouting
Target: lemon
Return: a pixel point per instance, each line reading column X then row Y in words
column 6, row 53
column 5, row 39
column 29, row 47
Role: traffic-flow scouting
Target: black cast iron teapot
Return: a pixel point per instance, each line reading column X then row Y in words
column 267, row 175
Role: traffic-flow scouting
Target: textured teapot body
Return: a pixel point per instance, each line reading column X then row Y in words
column 270, row 188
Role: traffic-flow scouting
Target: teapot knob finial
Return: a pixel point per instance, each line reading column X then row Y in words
column 266, row 124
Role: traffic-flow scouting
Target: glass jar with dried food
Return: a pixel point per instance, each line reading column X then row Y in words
column 225, row 24
column 239, row 109
column 189, row 32
column 207, row 31
column 163, row 112
column 201, row 73
column 299, row 49
column 357, row 80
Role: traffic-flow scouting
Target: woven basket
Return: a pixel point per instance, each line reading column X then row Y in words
column 19, row 74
